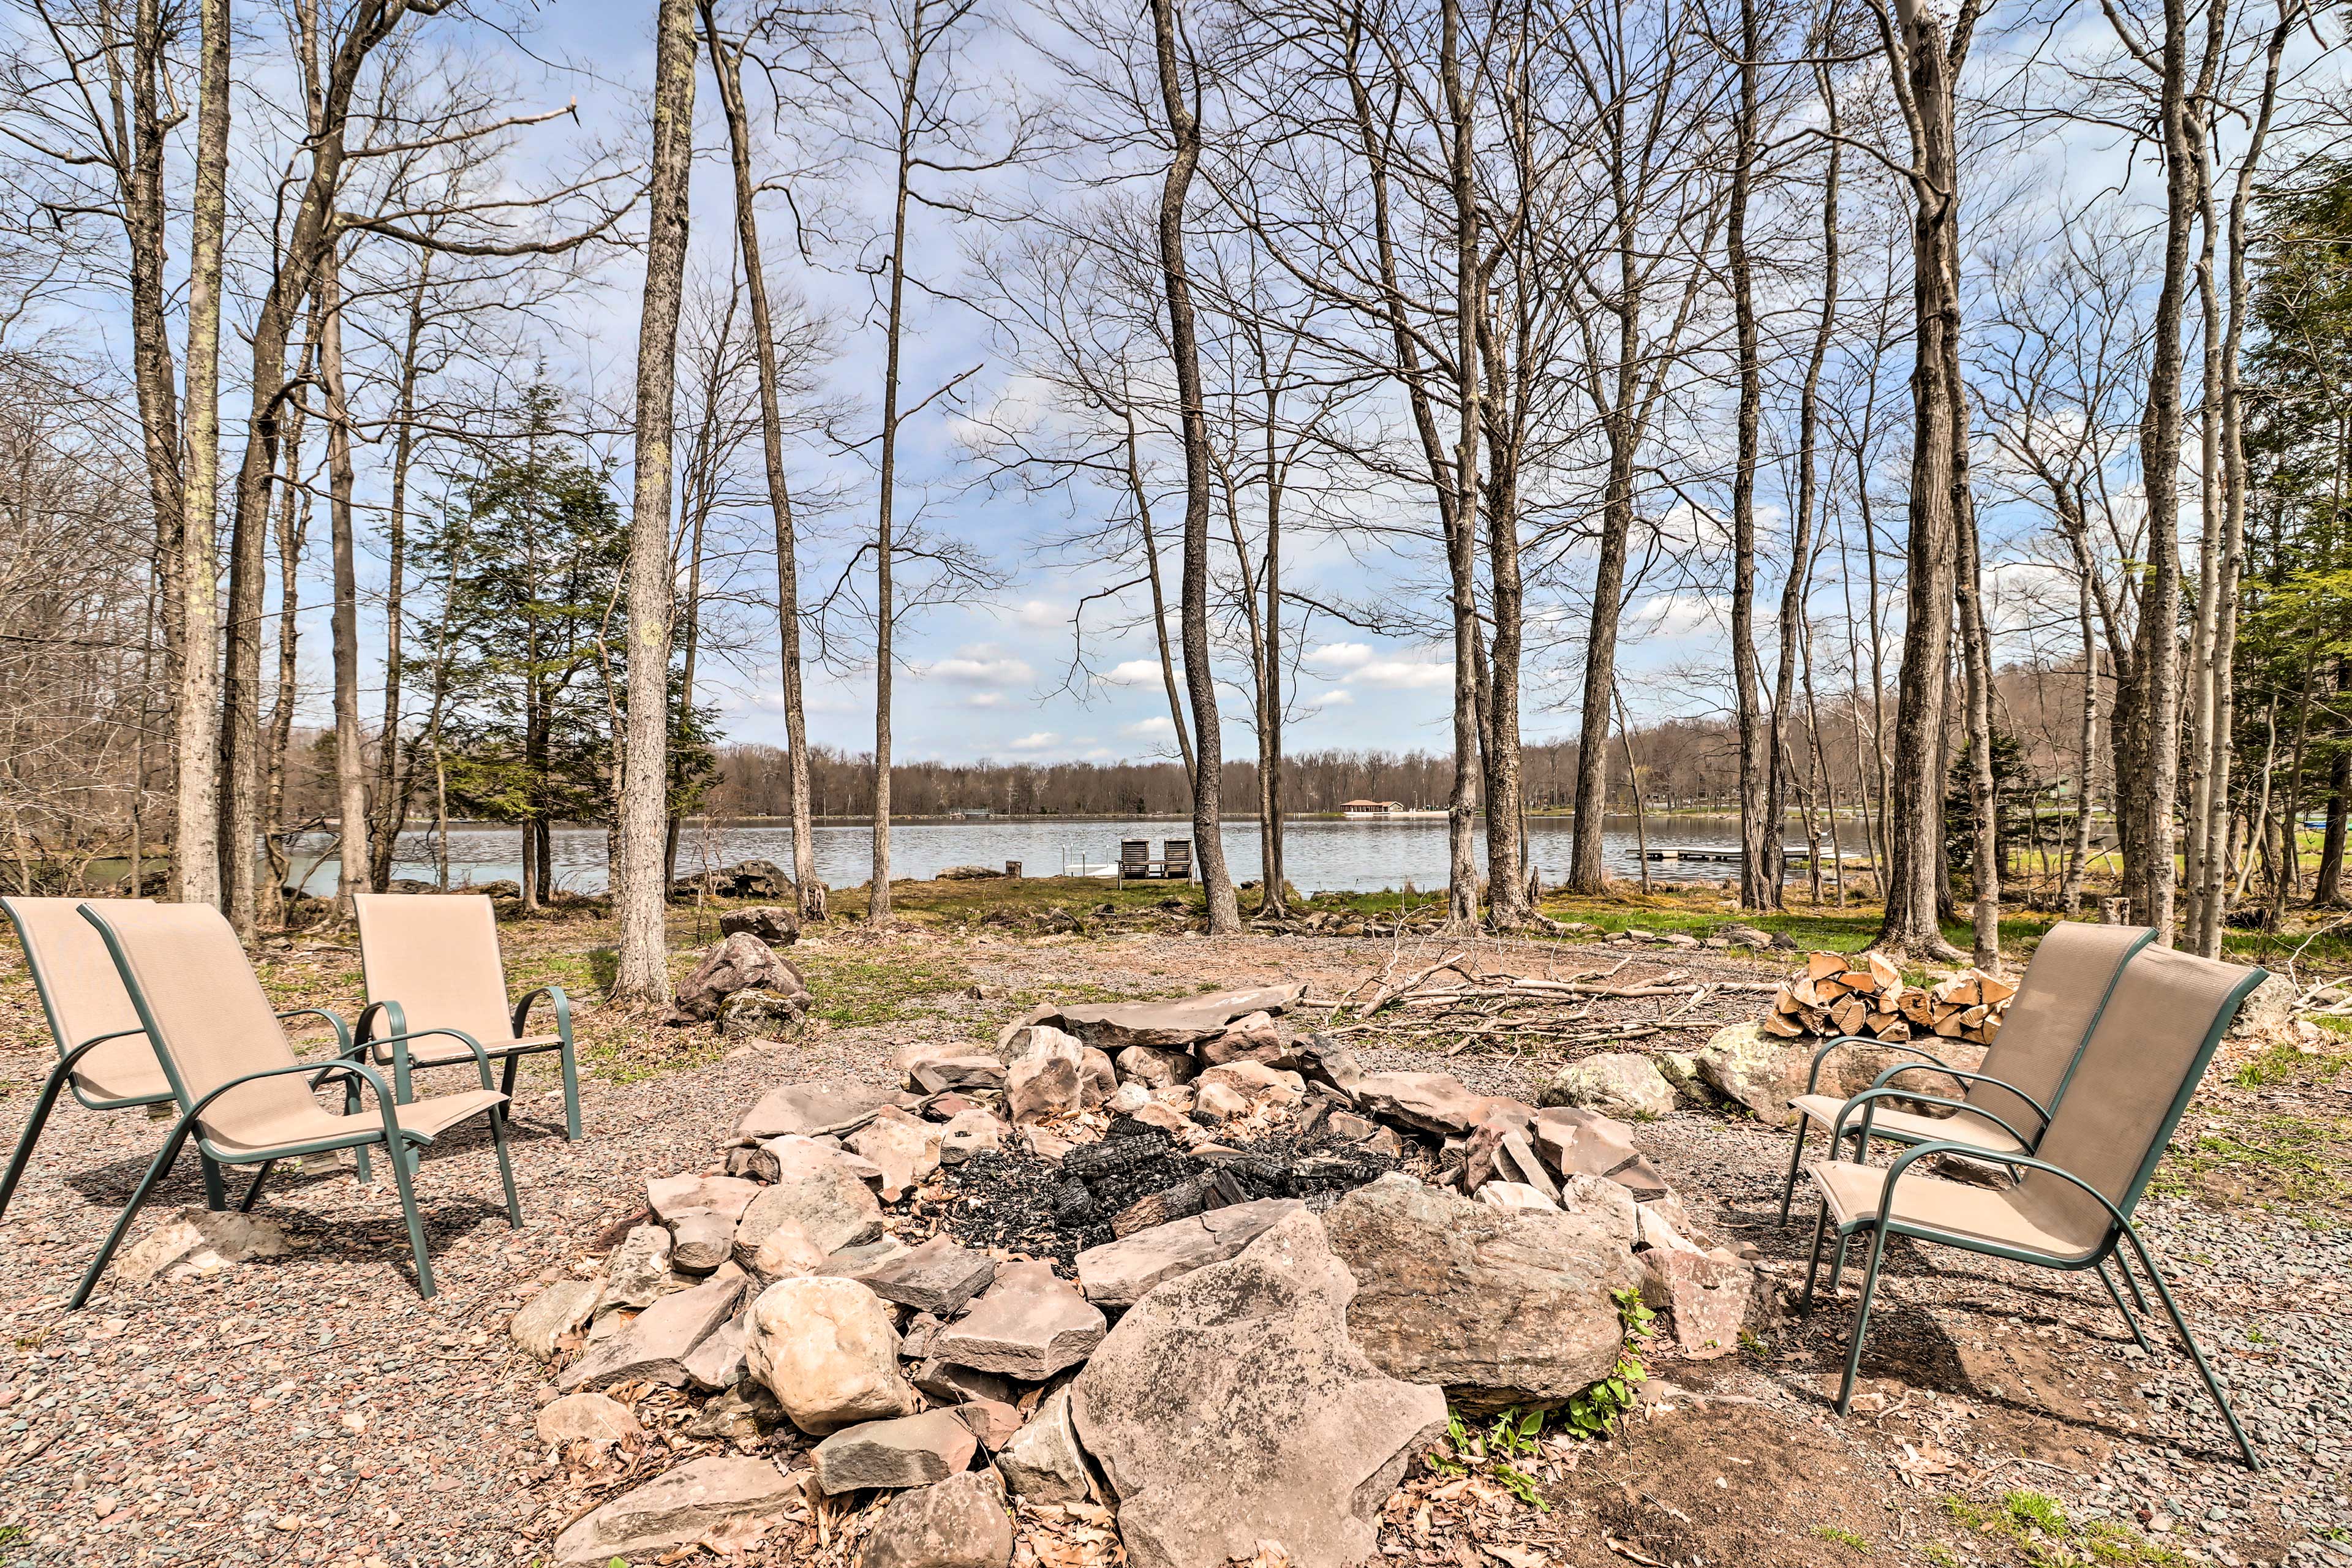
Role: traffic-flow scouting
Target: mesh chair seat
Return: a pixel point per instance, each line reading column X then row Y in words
column 1854, row 1193
column 313, row 1124
column 1961, row 1126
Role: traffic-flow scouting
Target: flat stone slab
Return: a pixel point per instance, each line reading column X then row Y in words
column 808, row 1109
column 911, row 1451
column 682, row 1506
column 593, row 1416
column 1121, row 1273
column 1230, row 1407
column 654, row 1347
column 1434, row 1102
column 1499, row 1305
column 937, row 1277
column 1027, row 1325
column 1115, row 1025
column 939, row 1074
column 959, row 1524
column 673, row 1197
column 815, row 1190
column 1043, row 1461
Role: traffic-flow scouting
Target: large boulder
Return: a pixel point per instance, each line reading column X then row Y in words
column 1614, row 1083
column 1229, row 1407
column 1028, row 1325
column 816, row 1191
column 959, row 1524
column 1121, row 1273
column 1502, row 1306
column 739, row 963
column 698, row 1498
column 827, row 1349
column 1764, row 1072
column 1155, row 1066
column 774, row 924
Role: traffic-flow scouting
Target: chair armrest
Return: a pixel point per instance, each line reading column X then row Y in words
column 1869, row 1098
column 399, row 1044
column 392, row 1016
column 342, row 1030
column 1813, row 1077
column 1965, row 1077
column 2014, row 1162
column 555, row 995
column 393, row 1132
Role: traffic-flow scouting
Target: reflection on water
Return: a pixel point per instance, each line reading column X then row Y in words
column 1320, row 856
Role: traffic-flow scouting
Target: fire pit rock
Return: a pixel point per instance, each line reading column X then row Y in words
column 1114, row 1026
column 827, row 1350
column 1229, row 1407
column 959, row 1524
column 909, row 1451
column 1028, row 1325
column 1501, row 1306
column 1121, row 1273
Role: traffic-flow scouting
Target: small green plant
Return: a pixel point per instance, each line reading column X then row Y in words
column 1513, row 1435
column 2034, row 1508
column 1522, row 1487
column 1941, row 1556
column 1597, row 1410
column 1845, row 1538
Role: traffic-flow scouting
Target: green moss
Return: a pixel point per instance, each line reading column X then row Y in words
column 1845, row 1538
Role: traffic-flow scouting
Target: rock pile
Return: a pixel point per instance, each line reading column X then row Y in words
column 1275, row 1271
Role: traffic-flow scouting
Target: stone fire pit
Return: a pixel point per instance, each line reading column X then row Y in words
column 1172, row 1261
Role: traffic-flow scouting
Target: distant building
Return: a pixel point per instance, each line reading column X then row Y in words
column 969, row 813
column 1371, row 807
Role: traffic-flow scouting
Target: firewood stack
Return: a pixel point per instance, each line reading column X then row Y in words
column 1835, row 994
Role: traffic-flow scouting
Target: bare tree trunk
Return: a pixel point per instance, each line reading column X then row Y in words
column 196, row 853
column 1760, row 831
column 1200, row 676
column 293, row 528
column 727, row 70
column 878, row 903
column 1925, row 80
column 643, row 974
column 1142, row 497
column 2078, row 860
column 1462, row 858
column 395, row 778
column 1633, row 778
column 350, row 758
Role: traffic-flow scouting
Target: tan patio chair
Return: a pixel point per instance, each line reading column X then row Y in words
column 237, row 1081
column 2071, row 1203
column 431, row 964
column 2010, row 1096
column 103, row 1056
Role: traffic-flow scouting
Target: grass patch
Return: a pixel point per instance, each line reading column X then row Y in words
column 1845, row 1538
column 2037, row 1527
column 2289, row 1064
column 2297, row 1161
column 853, row 987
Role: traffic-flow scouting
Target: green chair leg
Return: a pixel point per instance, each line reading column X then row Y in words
column 254, row 1190
column 1796, row 1163
column 1821, row 1228
column 2131, row 1281
column 2181, row 1325
column 506, row 1166
column 400, row 1161
column 32, row 1124
column 162, row 1162
column 215, row 1189
column 570, row 1093
column 1862, row 1318
column 2116, row 1297
column 1837, row 1268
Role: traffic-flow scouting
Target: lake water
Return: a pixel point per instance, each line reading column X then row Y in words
column 1320, row 855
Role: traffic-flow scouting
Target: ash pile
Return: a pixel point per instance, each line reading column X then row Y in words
column 1067, row 1279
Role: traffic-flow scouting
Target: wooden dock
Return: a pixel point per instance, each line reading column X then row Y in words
column 1792, row 854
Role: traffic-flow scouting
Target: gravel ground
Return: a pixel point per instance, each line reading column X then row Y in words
column 311, row 1409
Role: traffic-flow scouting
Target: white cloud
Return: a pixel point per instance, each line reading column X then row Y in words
column 1133, row 672
column 1338, row 697
column 1038, row 612
column 1341, row 655
column 1157, row 727
column 1677, row 615
column 1037, row 742
column 981, row 664
column 986, row 699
